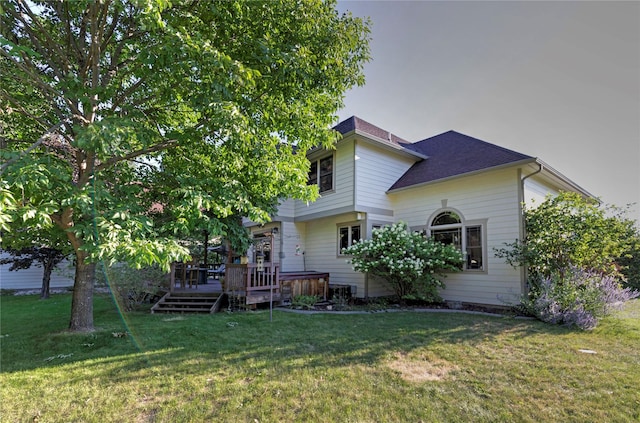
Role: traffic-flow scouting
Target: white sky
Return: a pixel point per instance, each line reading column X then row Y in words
column 555, row 80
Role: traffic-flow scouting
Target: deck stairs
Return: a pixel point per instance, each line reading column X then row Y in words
column 188, row 303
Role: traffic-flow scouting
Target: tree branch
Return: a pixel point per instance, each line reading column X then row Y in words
column 32, row 147
column 41, row 40
column 158, row 147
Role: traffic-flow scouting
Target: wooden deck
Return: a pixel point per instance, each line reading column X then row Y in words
column 213, row 286
column 245, row 286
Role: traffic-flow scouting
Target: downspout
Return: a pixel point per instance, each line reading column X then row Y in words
column 281, row 254
column 523, row 225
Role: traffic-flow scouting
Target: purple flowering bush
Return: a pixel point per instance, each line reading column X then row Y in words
column 579, row 299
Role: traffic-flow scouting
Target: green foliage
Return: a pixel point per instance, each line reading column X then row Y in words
column 7, row 205
column 376, row 304
column 409, row 262
column 574, row 251
column 304, row 301
column 568, row 231
column 630, row 262
column 127, row 125
column 581, row 299
column 134, row 288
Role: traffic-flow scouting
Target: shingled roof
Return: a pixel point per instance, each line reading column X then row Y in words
column 356, row 124
column 451, row 154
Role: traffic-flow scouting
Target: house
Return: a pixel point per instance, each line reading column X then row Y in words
column 31, row 278
column 454, row 187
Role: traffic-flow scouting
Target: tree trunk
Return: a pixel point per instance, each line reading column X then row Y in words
column 82, row 302
column 46, row 279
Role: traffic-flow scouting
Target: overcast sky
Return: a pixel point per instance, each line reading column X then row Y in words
column 556, row 80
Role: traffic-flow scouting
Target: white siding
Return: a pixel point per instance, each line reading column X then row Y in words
column 321, row 251
column 535, row 191
column 61, row 277
column 342, row 195
column 291, row 239
column 286, row 208
column 363, row 173
column 376, row 170
column 492, row 196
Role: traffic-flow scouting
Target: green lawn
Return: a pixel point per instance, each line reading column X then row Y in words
column 376, row 367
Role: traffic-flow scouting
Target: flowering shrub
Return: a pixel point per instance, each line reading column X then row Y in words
column 408, row 261
column 580, row 299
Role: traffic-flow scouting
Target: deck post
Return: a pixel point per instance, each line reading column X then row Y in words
column 271, row 294
column 172, row 276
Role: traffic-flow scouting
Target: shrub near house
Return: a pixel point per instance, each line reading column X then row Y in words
column 412, row 264
column 571, row 252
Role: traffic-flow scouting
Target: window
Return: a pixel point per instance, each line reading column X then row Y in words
column 321, row 174
column 347, row 236
column 474, row 247
column 448, row 227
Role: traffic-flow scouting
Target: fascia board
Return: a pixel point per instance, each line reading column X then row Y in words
column 386, row 144
column 559, row 176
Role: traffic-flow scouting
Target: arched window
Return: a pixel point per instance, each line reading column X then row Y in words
column 446, row 227
column 449, row 227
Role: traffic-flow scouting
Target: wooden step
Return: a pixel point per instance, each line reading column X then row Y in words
column 182, row 310
column 181, row 305
column 187, row 304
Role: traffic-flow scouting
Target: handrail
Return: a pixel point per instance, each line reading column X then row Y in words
column 267, row 279
column 246, row 277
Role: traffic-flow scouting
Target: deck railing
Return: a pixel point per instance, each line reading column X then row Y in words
column 245, row 277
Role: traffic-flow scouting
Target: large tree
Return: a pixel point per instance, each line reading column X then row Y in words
column 129, row 123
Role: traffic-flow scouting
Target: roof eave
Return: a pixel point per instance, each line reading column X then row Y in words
column 386, row 144
column 463, row 175
column 564, row 179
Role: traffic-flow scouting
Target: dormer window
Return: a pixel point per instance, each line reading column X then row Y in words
column 321, row 174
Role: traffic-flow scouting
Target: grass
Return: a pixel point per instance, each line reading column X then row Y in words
column 403, row 366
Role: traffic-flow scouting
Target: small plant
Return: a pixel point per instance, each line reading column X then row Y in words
column 580, row 299
column 377, row 304
column 340, row 301
column 305, row 302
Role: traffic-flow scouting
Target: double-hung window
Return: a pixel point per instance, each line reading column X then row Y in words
column 448, row 227
column 321, row 173
column 348, row 235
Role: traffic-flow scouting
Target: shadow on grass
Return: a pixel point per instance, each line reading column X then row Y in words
column 190, row 343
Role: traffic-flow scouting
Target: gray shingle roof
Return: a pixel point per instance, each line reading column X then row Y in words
column 452, row 154
column 354, row 123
